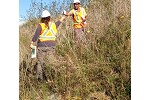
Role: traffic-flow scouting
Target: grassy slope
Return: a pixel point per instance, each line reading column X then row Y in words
column 100, row 69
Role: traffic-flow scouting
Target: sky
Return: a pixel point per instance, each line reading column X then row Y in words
column 24, row 5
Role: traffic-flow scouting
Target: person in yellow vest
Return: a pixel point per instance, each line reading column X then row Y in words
column 45, row 41
column 79, row 17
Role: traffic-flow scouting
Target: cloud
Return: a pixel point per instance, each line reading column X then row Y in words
column 21, row 21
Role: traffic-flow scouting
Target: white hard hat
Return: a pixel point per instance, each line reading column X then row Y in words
column 76, row 1
column 45, row 13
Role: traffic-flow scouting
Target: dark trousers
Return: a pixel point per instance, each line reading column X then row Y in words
column 44, row 55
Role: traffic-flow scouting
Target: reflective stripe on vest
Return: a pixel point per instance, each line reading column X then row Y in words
column 48, row 34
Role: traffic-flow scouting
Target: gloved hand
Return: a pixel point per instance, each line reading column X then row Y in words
column 64, row 12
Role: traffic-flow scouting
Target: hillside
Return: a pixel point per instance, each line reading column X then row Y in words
column 99, row 70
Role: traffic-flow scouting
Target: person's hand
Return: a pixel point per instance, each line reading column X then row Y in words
column 32, row 45
column 84, row 20
column 64, row 12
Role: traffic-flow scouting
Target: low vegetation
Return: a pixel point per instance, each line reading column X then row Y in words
column 97, row 70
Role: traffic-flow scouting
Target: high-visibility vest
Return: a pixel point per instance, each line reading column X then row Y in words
column 48, row 34
column 78, row 17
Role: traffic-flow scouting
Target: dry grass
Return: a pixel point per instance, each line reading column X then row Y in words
column 99, row 70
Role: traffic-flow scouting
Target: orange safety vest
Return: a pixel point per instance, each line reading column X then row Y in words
column 48, row 34
column 78, row 18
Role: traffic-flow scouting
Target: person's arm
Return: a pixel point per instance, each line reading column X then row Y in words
column 84, row 15
column 68, row 13
column 60, row 21
column 63, row 17
column 84, row 18
column 36, row 35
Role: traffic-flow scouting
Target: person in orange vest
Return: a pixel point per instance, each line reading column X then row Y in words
column 79, row 17
column 45, row 41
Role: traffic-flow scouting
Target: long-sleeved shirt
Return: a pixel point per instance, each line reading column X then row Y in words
column 46, row 43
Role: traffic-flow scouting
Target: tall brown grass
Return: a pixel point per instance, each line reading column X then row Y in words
column 98, row 70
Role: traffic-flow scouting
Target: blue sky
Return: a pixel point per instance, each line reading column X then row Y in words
column 24, row 5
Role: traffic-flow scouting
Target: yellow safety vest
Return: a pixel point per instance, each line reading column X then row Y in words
column 78, row 18
column 48, row 34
